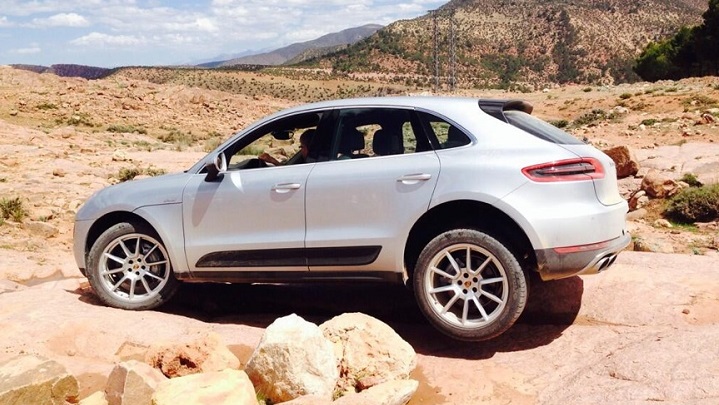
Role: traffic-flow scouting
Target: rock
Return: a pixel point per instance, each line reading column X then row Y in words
column 132, row 382
column 205, row 354
column 658, row 185
column 293, row 359
column 42, row 229
column 708, row 118
column 58, row 172
column 29, row 379
column 663, row 223
column 63, row 133
column 370, row 352
column 638, row 200
column 119, row 156
column 620, row 110
column 226, row 387
column 654, row 246
column 397, row 392
column 627, row 163
column 9, row 286
column 97, row 398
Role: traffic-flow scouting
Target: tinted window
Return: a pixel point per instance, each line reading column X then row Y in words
column 445, row 134
column 367, row 132
column 279, row 139
column 539, row 128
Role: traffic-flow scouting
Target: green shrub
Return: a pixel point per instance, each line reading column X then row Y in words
column 649, row 122
column 129, row 173
column 625, row 96
column 590, row 117
column 46, row 106
column 691, row 179
column 12, row 208
column 560, row 123
column 696, row 204
column 587, row 89
column 129, row 129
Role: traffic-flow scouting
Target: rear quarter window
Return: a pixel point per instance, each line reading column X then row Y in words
column 540, row 129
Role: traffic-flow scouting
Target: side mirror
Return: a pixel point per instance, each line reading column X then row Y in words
column 282, row 134
column 216, row 167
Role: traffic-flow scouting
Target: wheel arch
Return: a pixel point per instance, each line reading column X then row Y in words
column 108, row 220
column 474, row 215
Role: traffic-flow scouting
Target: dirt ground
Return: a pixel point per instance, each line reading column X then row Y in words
column 638, row 333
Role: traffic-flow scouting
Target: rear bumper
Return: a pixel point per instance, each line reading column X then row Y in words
column 570, row 261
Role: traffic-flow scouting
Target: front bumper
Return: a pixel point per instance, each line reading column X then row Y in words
column 556, row 263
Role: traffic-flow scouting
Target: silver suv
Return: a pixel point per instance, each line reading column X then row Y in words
column 460, row 199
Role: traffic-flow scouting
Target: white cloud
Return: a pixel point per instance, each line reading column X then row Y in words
column 61, row 20
column 33, row 49
column 4, row 22
column 100, row 39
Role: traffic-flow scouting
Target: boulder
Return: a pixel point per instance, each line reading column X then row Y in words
column 638, row 200
column 131, row 383
column 397, row 392
column 293, row 359
column 208, row 353
column 370, row 352
column 97, row 398
column 29, row 379
column 623, row 157
column 226, row 387
column 657, row 185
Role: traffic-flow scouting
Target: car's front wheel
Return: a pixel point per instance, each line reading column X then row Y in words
column 469, row 285
column 128, row 267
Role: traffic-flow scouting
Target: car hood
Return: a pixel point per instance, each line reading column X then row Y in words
column 131, row 195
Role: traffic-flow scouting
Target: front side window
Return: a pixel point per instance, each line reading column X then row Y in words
column 282, row 142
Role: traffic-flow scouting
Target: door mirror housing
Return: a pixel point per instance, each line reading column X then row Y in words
column 216, row 167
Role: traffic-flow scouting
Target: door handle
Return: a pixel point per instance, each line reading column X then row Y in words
column 286, row 187
column 414, row 178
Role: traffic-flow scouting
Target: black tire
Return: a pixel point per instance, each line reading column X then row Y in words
column 129, row 268
column 475, row 303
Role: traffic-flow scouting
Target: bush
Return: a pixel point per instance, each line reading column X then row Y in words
column 560, row 123
column 691, row 179
column 625, row 96
column 129, row 129
column 694, row 205
column 12, row 208
column 129, row 173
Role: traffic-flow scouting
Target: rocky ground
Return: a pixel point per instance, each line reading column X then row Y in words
column 639, row 333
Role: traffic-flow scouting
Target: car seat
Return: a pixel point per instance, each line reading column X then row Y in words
column 386, row 143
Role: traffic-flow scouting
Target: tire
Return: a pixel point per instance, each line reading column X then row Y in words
column 475, row 303
column 128, row 268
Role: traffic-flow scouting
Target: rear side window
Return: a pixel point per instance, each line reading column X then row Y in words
column 540, row 129
column 445, row 135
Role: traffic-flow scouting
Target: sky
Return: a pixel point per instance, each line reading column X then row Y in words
column 111, row 33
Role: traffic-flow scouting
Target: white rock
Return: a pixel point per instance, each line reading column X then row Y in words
column 293, row 359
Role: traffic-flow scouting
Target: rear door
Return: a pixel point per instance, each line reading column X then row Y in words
column 361, row 204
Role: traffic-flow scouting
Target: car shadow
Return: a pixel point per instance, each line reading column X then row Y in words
column 552, row 307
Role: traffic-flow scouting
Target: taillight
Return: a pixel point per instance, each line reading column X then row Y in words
column 566, row 170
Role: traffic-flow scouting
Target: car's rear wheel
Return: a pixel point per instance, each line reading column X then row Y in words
column 469, row 285
column 128, row 267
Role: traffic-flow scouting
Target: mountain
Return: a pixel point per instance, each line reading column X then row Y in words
column 320, row 46
column 504, row 43
column 69, row 70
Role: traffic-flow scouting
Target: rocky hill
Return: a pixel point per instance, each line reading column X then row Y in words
column 317, row 47
column 498, row 43
column 69, row 70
